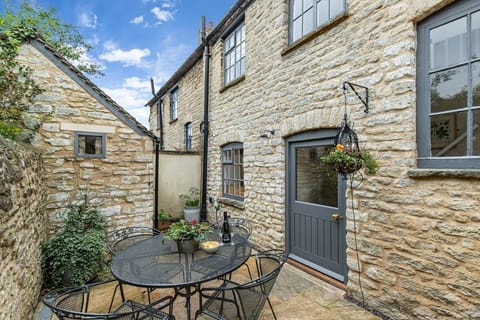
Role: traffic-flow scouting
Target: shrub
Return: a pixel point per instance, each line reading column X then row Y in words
column 77, row 253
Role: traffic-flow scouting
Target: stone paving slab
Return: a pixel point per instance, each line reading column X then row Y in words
column 296, row 295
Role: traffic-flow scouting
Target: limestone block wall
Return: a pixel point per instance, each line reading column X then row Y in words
column 190, row 109
column 22, row 229
column 121, row 184
column 418, row 238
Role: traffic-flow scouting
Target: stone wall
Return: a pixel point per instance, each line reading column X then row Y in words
column 418, row 239
column 22, row 229
column 190, row 109
column 119, row 185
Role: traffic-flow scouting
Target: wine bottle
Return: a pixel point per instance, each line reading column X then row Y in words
column 226, row 236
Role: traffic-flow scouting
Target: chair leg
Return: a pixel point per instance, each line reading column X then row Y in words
column 271, row 308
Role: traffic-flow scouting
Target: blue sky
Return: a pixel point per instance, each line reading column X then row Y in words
column 135, row 40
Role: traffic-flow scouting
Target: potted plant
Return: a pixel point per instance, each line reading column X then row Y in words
column 187, row 234
column 164, row 220
column 191, row 201
column 347, row 160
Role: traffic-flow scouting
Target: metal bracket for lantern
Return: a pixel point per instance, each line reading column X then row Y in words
column 346, row 136
column 364, row 100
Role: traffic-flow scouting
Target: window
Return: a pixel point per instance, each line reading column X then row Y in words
column 232, row 165
column 234, row 55
column 307, row 15
column 89, row 145
column 174, row 104
column 448, row 88
column 188, row 136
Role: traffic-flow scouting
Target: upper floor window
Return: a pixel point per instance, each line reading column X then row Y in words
column 448, row 88
column 234, row 54
column 174, row 104
column 188, row 136
column 89, row 145
column 307, row 15
column 232, row 165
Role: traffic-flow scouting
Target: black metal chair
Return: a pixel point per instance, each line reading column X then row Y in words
column 244, row 301
column 76, row 303
column 123, row 238
column 241, row 227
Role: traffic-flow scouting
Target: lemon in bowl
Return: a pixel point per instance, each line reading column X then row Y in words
column 210, row 246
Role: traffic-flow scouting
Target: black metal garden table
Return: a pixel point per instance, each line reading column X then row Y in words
column 156, row 263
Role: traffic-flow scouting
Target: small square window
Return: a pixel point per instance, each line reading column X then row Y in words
column 89, row 145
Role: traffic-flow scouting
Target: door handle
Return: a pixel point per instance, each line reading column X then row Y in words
column 336, row 217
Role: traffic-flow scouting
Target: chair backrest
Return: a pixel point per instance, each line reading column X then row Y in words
column 253, row 294
column 123, row 238
column 75, row 303
column 240, row 226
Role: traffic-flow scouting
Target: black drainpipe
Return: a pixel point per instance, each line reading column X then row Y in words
column 157, row 164
column 206, row 54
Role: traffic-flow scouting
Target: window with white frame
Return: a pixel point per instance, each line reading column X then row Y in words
column 234, row 54
column 174, row 104
column 307, row 15
column 188, row 136
column 448, row 88
column 89, row 145
column 232, row 167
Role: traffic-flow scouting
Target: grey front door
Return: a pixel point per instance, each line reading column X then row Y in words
column 316, row 206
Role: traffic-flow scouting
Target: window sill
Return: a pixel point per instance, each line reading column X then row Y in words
column 234, row 203
column 172, row 121
column 446, row 173
column 315, row 33
column 231, row 84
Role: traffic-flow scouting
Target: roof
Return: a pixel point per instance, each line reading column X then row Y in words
column 231, row 17
column 60, row 61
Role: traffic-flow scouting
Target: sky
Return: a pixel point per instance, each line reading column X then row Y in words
column 135, row 40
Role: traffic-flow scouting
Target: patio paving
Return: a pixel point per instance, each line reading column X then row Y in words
column 296, row 295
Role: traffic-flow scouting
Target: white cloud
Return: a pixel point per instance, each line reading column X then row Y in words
column 88, row 19
column 162, row 15
column 137, row 20
column 131, row 57
column 168, row 4
column 132, row 95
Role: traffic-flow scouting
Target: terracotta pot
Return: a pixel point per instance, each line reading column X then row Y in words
column 163, row 224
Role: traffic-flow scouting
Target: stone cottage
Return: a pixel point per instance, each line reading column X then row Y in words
column 405, row 241
column 91, row 147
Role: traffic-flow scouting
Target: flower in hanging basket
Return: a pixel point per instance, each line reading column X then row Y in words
column 185, row 230
column 348, row 159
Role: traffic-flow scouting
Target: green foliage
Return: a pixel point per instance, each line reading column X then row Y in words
column 344, row 160
column 184, row 230
column 163, row 215
column 63, row 37
column 76, row 253
column 192, row 198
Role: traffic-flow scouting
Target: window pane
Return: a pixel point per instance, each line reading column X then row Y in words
column 88, row 144
column 476, row 133
column 448, row 89
column 336, row 7
column 307, row 4
column 313, row 185
column 297, row 29
column 322, row 12
column 476, row 84
column 297, row 8
column 448, row 45
column 476, row 35
column 448, row 135
column 308, row 21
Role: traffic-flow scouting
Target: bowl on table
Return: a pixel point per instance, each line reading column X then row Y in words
column 210, row 246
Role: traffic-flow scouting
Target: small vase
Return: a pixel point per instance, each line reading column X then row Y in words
column 187, row 246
